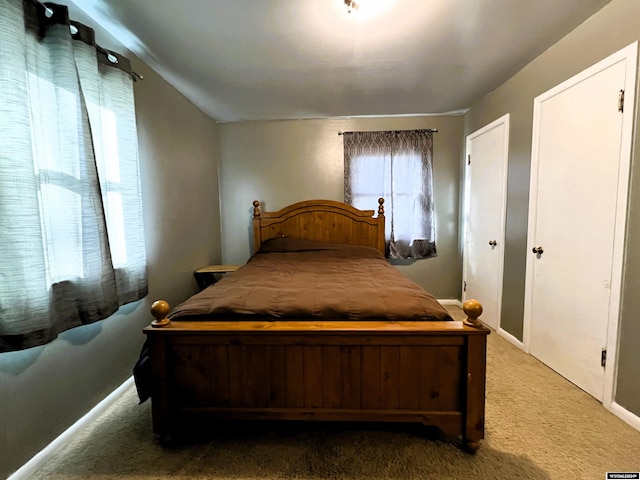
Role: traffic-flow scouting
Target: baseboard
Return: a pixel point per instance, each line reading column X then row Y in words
column 625, row 415
column 28, row 469
column 450, row 301
column 510, row 338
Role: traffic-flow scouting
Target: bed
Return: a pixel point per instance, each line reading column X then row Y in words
column 239, row 350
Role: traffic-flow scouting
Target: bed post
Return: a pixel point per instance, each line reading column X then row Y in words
column 160, row 309
column 382, row 245
column 473, row 309
column 257, row 238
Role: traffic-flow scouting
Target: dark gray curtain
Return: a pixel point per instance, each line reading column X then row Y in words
column 71, row 238
column 395, row 165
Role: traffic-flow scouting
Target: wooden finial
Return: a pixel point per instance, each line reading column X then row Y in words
column 160, row 309
column 381, row 206
column 256, row 209
column 473, row 309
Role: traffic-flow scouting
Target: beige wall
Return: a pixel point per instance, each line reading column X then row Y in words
column 609, row 30
column 283, row 162
column 46, row 389
column 179, row 155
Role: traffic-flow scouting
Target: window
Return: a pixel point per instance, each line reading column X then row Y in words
column 398, row 167
column 71, row 238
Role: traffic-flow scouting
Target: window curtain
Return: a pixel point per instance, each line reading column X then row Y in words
column 71, row 235
column 397, row 166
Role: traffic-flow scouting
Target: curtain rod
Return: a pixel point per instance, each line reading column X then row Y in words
column 423, row 130
column 112, row 57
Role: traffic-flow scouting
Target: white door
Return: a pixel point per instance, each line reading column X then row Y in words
column 485, row 207
column 580, row 167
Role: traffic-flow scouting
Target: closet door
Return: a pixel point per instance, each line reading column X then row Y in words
column 580, row 168
column 485, row 211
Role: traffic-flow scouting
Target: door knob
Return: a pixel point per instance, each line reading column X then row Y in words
column 493, row 243
column 537, row 250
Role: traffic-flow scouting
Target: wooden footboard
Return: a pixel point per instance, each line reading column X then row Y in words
column 427, row 372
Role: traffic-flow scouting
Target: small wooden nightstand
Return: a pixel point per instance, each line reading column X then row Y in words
column 206, row 276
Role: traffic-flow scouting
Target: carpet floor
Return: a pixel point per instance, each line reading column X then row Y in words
column 538, row 426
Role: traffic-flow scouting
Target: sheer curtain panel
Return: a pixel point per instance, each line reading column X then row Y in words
column 71, row 234
column 395, row 165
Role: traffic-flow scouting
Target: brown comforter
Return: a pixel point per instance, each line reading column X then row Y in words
column 301, row 279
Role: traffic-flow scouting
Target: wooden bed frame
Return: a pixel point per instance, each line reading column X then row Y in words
column 426, row 372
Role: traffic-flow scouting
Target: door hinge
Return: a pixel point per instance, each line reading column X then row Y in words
column 469, row 159
column 621, row 101
column 464, row 286
column 603, row 357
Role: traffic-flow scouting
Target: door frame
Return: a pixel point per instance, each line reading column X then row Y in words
column 503, row 120
column 629, row 54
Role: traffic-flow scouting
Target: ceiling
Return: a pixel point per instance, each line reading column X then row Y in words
column 243, row 60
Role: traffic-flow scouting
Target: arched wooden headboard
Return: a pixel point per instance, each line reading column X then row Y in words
column 322, row 220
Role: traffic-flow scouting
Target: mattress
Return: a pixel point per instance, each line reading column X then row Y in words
column 292, row 278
